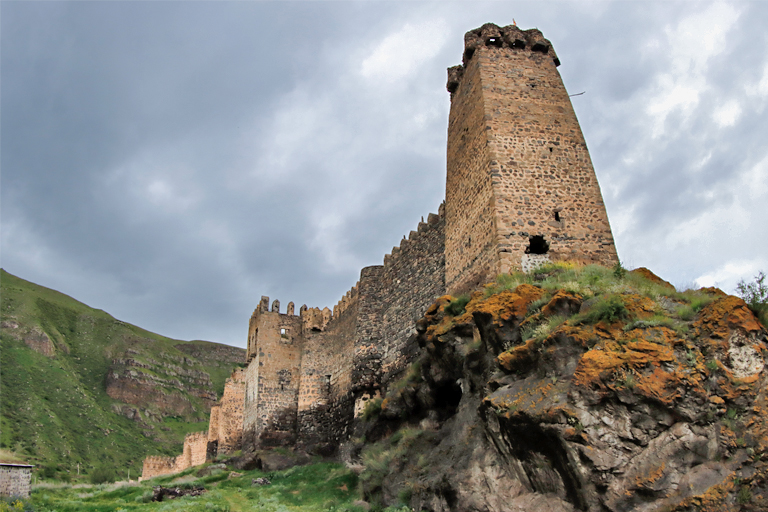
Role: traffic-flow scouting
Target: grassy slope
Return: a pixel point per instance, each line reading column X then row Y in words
column 55, row 410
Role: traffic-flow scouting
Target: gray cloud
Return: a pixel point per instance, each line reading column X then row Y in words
column 170, row 162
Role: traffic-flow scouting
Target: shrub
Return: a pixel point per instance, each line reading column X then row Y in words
column 686, row 313
column 372, row 409
column 458, row 305
column 608, row 309
column 102, row 474
column 619, row 271
column 744, row 496
column 755, row 294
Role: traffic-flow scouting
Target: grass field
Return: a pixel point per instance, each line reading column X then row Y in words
column 323, row 486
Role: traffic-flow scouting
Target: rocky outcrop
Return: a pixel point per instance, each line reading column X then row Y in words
column 537, row 398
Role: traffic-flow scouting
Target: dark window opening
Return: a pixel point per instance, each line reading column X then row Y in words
column 540, row 47
column 557, row 216
column 493, row 41
column 518, row 43
column 537, row 245
column 550, row 150
column 468, row 54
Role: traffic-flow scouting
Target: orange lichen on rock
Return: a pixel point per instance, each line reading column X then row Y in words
column 638, row 305
column 519, row 356
column 562, row 303
column 713, row 500
column 719, row 318
column 503, row 306
column 648, row 356
column 650, row 276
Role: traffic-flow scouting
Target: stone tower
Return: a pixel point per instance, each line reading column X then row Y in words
column 520, row 185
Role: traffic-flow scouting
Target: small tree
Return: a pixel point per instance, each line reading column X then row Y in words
column 755, row 294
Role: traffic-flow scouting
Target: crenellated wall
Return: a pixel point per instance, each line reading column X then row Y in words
column 339, row 355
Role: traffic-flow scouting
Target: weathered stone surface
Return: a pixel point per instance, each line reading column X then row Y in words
column 562, row 427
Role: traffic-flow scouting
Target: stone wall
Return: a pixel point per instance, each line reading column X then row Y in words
column 340, row 356
column 14, row 479
column 194, row 454
column 518, row 165
column 413, row 277
column 229, row 429
column 157, row 465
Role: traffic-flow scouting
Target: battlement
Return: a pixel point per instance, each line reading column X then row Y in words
column 433, row 221
column 493, row 36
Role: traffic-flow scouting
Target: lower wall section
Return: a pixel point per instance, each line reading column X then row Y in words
column 195, row 453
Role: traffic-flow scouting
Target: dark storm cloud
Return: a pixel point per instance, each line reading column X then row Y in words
column 170, row 162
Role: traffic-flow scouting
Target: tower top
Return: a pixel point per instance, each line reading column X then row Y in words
column 511, row 37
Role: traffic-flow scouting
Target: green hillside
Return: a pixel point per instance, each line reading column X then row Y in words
column 79, row 388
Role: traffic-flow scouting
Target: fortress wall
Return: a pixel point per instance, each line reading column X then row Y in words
column 325, row 396
column 232, row 403
column 195, row 450
column 213, row 423
column 157, row 466
column 413, row 277
column 471, row 258
column 272, row 379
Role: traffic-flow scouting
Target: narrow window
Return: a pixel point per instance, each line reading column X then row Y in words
column 557, row 216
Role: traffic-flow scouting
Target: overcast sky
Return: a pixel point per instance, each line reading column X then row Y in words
column 171, row 162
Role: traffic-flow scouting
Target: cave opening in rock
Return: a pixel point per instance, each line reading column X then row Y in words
column 537, row 245
column 447, row 398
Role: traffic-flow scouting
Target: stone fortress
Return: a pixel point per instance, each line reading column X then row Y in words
column 520, row 191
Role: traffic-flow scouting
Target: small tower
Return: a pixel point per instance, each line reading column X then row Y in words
column 272, row 377
column 520, row 186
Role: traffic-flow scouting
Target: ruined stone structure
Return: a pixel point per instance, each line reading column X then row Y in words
column 520, row 191
column 14, row 479
column 195, row 453
column 225, row 430
column 224, row 435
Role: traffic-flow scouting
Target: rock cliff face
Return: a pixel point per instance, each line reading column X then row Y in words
column 576, row 390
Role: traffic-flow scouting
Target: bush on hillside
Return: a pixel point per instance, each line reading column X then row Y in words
column 101, row 475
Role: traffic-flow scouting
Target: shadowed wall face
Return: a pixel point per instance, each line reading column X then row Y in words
column 520, row 188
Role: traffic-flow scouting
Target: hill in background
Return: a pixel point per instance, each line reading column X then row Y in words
column 79, row 388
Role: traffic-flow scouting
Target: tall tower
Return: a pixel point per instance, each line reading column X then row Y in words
column 520, row 185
